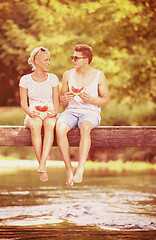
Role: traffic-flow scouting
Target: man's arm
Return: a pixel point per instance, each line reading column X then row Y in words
column 65, row 95
column 104, row 98
column 103, row 91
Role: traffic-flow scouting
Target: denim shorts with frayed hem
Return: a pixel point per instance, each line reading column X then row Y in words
column 74, row 119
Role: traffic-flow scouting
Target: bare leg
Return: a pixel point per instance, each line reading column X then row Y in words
column 63, row 144
column 49, row 124
column 84, row 147
column 35, row 125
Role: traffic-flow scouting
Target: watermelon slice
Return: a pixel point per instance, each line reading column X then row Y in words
column 77, row 91
column 42, row 109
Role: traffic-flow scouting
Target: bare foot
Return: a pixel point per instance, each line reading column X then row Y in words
column 69, row 180
column 43, row 176
column 41, row 169
column 78, row 177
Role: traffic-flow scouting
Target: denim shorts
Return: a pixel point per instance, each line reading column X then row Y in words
column 74, row 119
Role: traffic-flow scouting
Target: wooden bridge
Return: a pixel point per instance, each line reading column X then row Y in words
column 102, row 136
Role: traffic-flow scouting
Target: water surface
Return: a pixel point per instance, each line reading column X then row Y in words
column 109, row 204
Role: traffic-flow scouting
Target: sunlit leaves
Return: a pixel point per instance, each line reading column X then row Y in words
column 121, row 33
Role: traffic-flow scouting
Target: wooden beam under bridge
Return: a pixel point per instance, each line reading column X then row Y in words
column 102, row 136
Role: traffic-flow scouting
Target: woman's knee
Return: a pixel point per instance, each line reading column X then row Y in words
column 49, row 123
column 35, row 124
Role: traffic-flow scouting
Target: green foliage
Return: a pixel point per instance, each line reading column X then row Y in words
column 26, row 153
column 122, row 34
column 125, row 113
column 115, row 114
column 11, row 116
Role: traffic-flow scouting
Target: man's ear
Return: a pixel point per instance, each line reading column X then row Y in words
column 86, row 60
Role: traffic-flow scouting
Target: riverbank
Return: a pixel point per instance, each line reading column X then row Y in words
column 9, row 164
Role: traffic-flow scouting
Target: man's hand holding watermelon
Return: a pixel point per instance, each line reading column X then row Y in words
column 82, row 94
column 77, row 91
column 68, row 96
column 86, row 97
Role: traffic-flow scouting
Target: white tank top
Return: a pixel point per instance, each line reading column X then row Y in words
column 77, row 104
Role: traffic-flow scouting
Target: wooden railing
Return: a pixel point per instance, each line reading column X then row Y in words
column 102, row 136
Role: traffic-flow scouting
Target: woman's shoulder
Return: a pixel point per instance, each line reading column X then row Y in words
column 53, row 79
column 24, row 80
column 26, row 76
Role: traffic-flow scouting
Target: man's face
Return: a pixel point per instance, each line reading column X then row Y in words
column 79, row 60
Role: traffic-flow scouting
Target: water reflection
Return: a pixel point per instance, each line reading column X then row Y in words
column 106, row 199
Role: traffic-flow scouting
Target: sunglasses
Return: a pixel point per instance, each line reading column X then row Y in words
column 41, row 49
column 75, row 58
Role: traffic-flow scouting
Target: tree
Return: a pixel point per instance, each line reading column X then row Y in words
column 122, row 34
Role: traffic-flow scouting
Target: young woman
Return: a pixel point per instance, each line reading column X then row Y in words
column 39, row 96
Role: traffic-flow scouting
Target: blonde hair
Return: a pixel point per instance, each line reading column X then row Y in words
column 31, row 60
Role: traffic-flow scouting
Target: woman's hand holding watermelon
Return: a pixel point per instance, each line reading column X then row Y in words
column 52, row 113
column 34, row 114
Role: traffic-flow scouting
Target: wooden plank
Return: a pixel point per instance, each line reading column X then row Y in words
column 124, row 136
column 102, row 136
column 15, row 136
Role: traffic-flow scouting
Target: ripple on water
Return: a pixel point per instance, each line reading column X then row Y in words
column 102, row 207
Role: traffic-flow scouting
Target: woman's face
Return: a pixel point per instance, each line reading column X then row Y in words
column 42, row 61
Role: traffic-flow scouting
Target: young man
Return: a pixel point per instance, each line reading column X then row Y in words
column 82, row 110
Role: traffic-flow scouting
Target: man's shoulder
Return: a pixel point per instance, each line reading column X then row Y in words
column 67, row 73
column 101, row 75
column 94, row 71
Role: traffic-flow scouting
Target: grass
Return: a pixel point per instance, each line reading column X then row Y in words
column 119, row 114
column 119, row 165
column 126, row 113
column 11, row 116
